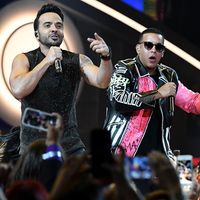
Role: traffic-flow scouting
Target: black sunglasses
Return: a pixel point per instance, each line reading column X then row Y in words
column 149, row 45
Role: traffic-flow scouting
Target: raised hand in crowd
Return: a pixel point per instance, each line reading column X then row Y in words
column 74, row 180
column 55, row 131
column 125, row 188
column 166, row 175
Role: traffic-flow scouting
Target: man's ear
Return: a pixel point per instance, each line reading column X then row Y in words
column 137, row 48
column 37, row 34
column 163, row 54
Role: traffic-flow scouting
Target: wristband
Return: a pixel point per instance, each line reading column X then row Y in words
column 107, row 57
column 52, row 154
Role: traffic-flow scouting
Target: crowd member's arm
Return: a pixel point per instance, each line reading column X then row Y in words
column 53, row 157
column 166, row 174
column 126, row 188
column 22, row 80
column 52, row 141
column 93, row 75
column 187, row 100
column 55, row 131
column 73, row 176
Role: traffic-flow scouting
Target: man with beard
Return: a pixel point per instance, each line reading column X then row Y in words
column 142, row 94
column 40, row 83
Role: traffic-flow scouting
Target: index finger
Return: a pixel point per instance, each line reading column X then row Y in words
column 97, row 37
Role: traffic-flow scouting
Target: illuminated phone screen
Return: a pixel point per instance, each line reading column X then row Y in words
column 38, row 119
column 185, row 172
column 138, row 167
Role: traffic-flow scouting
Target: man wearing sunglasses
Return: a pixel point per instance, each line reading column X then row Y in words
column 142, row 94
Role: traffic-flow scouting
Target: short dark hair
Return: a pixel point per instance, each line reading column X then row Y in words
column 150, row 30
column 44, row 9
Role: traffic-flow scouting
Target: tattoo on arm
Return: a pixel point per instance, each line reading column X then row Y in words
column 148, row 99
column 85, row 61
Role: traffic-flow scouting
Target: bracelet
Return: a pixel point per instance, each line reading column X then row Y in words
column 52, row 154
column 107, row 57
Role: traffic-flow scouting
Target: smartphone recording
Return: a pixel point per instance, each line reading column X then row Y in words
column 137, row 167
column 38, row 119
column 185, row 171
column 138, row 170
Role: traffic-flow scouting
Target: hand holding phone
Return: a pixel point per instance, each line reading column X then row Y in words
column 38, row 119
column 56, row 131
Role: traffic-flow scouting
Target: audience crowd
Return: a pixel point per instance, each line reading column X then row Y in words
column 43, row 172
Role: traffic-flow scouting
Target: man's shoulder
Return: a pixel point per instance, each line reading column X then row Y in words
column 69, row 53
column 70, row 57
column 165, row 67
column 32, row 54
column 124, row 66
column 127, row 63
column 32, row 51
column 167, row 70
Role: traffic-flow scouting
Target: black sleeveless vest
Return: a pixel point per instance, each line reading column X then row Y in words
column 55, row 92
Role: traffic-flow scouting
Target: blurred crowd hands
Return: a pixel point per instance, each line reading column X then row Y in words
column 75, row 179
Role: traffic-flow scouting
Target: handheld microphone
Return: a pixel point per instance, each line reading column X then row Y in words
column 58, row 66
column 171, row 106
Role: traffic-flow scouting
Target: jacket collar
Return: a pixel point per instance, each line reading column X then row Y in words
column 140, row 67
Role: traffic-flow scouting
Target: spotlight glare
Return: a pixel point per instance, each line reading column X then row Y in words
column 138, row 27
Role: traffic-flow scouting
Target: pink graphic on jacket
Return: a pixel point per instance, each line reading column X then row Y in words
column 138, row 121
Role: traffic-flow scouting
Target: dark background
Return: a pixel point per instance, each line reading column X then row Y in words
column 179, row 23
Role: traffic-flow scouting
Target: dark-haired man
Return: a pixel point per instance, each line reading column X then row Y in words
column 142, row 94
column 42, row 84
